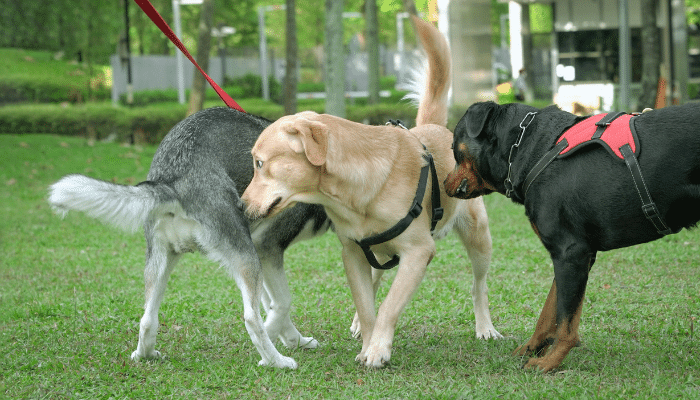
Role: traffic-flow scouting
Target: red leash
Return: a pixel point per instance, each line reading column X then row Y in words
column 147, row 7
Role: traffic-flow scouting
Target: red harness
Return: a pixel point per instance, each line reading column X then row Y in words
column 611, row 130
column 616, row 132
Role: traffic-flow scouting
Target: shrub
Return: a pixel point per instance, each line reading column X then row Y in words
column 155, row 96
column 46, row 89
column 97, row 121
column 379, row 114
column 30, row 76
column 251, row 86
column 311, row 87
column 149, row 124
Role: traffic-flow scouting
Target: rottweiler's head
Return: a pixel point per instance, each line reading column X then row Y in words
column 482, row 141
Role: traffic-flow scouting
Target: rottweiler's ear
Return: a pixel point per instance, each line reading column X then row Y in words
column 476, row 117
column 313, row 136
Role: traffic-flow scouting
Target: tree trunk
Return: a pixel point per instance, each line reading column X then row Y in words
column 372, row 50
column 290, row 73
column 651, row 55
column 197, row 94
column 335, row 59
column 527, row 53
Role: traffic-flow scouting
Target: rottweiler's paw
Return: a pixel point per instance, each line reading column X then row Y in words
column 536, row 349
column 523, row 350
column 541, row 364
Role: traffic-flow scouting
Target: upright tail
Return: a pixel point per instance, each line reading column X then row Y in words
column 431, row 87
column 126, row 207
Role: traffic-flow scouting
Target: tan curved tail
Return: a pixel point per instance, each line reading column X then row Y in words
column 432, row 108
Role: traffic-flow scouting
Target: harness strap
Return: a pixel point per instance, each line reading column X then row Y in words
column 438, row 211
column 648, row 206
column 547, row 159
column 605, row 122
column 413, row 213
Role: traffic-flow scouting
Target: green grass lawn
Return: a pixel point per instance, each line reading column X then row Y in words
column 71, row 294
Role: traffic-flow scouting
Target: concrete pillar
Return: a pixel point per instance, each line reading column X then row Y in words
column 471, row 46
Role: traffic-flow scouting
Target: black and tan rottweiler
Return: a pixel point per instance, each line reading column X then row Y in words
column 588, row 184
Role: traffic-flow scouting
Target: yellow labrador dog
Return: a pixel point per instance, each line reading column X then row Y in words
column 366, row 178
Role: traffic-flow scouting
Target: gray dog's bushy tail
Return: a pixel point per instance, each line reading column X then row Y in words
column 430, row 86
column 126, row 207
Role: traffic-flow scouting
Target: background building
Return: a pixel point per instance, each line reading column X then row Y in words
column 577, row 63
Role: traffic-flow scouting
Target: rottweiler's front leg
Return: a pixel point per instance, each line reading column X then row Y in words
column 566, row 338
column 545, row 328
column 571, row 277
column 546, row 324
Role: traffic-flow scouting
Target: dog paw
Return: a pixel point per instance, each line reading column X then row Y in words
column 308, row 343
column 534, row 348
column 377, row 357
column 355, row 328
column 523, row 350
column 281, row 362
column 155, row 355
column 489, row 333
column 298, row 341
column 540, row 364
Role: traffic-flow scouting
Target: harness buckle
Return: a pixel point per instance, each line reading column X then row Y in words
column 415, row 210
column 650, row 210
column 397, row 123
column 438, row 213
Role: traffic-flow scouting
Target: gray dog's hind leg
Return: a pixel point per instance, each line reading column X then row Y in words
column 278, row 322
column 160, row 261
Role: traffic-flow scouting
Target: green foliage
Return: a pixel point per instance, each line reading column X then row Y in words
column 251, row 86
column 149, row 97
column 72, row 292
column 497, row 9
column 81, row 29
column 34, row 76
column 693, row 12
column 150, row 123
column 541, row 18
column 97, row 121
column 310, row 23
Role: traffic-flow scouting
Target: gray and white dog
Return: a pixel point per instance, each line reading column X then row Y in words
column 190, row 201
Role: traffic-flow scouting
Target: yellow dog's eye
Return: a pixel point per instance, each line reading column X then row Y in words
column 259, row 164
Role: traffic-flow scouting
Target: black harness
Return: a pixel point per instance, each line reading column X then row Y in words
column 413, row 212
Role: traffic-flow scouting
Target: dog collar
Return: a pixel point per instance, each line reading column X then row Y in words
column 529, row 117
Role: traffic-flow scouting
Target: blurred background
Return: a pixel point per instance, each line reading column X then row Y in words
column 104, row 70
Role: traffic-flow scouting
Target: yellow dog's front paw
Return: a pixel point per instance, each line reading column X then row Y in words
column 375, row 356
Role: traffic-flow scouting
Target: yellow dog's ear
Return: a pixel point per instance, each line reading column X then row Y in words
column 313, row 137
